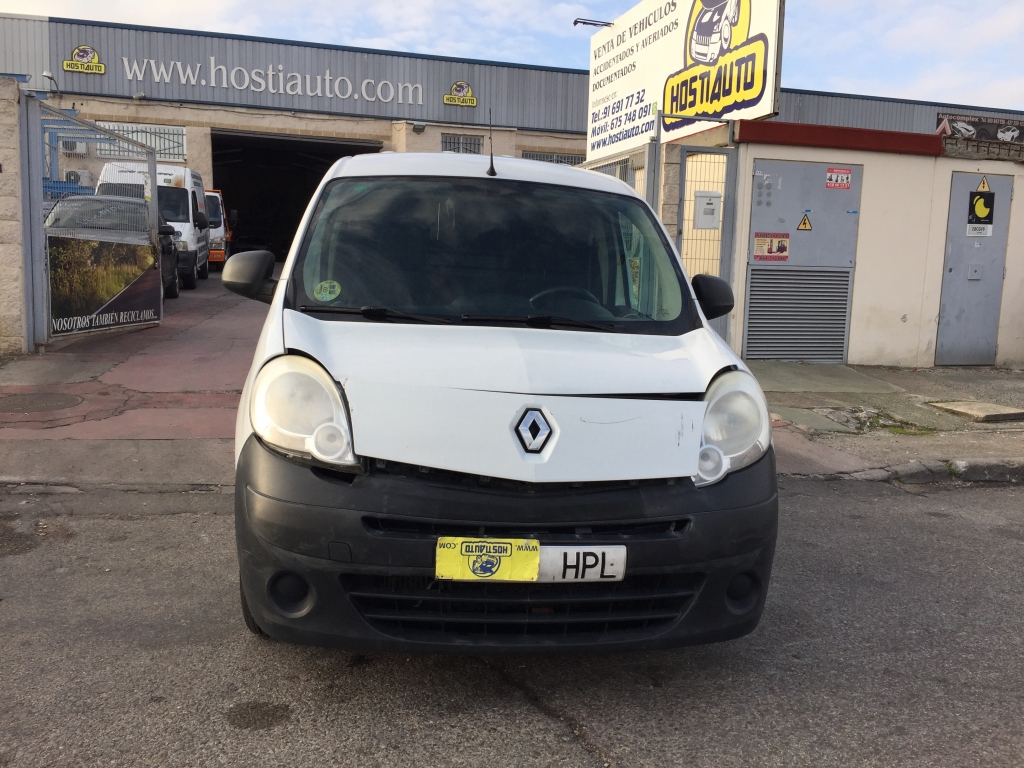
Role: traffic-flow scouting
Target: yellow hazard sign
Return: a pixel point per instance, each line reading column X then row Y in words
column 805, row 224
column 984, row 187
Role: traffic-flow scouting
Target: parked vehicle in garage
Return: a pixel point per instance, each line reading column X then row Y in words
column 116, row 219
column 487, row 412
column 182, row 202
column 220, row 227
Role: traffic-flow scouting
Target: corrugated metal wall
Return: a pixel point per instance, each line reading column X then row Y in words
column 868, row 112
column 520, row 97
column 25, row 48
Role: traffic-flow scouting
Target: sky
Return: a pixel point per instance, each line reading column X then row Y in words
column 952, row 51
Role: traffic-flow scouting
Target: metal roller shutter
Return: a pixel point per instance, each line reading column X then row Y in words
column 798, row 314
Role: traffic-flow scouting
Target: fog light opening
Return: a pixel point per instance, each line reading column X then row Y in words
column 291, row 594
column 743, row 592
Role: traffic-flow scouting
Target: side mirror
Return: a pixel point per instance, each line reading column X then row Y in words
column 201, row 221
column 714, row 295
column 250, row 274
column 233, row 218
column 166, row 230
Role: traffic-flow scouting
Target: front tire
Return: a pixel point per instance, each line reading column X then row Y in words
column 191, row 279
column 726, row 35
column 250, row 622
column 173, row 290
column 204, row 271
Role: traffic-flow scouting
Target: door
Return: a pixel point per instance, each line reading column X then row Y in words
column 802, row 248
column 972, row 275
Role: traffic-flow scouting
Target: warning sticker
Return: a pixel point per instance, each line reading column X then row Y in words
column 984, row 187
column 771, row 246
column 805, row 224
column 838, row 178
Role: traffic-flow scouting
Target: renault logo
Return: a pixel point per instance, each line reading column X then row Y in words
column 533, row 431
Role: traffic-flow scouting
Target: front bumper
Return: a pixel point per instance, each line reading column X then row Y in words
column 364, row 545
column 216, row 254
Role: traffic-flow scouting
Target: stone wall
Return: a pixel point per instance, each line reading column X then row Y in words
column 12, row 284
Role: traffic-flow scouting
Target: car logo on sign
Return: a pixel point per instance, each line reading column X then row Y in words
column 533, row 431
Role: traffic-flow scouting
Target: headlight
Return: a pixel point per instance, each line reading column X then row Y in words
column 181, row 245
column 297, row 407
column 217, row 245
column 737, row 427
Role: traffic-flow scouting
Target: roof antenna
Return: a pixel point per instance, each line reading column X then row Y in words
column 490, row 125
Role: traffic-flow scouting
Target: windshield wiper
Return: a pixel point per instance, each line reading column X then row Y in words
column 538, row 321
column 376, row 313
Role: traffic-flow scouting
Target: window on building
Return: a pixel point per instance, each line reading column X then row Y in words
column 167, row 140
column 554, row 157
column 467, row 145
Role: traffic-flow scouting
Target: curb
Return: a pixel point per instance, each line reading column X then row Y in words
column 922, row 471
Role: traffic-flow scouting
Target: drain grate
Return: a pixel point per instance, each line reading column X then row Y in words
column 37, row 403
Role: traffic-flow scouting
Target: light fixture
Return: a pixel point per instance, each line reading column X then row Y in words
column 47, row 75
column 591, row 23
column 419, row 127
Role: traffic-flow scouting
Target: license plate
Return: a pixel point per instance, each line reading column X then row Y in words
column 484, row 559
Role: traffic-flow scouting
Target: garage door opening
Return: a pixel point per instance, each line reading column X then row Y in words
column 269, row 179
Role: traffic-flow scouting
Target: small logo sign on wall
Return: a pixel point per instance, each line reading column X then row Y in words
column 838, row 178
column 85, row 59
column 461, row 95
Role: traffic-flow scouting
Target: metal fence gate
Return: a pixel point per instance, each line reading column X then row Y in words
column 707, row 213
column 93, row 256
column 639, row 169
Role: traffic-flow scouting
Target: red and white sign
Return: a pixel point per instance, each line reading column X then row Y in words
column 771, row 246
column 838, row 178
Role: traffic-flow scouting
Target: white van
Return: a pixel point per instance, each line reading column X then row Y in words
column 487, row 412
column 182, row 200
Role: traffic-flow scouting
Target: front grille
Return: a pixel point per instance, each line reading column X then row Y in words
column 550, row 531
column 423, row 608
column 465, row 481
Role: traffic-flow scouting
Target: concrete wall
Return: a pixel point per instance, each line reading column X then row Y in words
column 12, row 284
column 900, row 252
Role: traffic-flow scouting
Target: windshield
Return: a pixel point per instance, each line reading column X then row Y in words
column 173, row 202
column 213, row 211
column 97, row 213
column 493, row 248
column 121, row 189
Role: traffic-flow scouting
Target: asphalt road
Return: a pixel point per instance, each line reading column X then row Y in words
column 892, row 637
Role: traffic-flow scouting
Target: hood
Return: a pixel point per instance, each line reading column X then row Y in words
column 451, row 397
column 524, row 360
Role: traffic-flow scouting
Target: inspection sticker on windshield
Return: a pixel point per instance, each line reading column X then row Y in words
column 484, row 559
column 326, row 290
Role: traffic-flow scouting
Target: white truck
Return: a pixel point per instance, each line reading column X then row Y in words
column 182, row 201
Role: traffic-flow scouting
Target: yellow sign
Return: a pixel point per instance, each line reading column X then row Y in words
column 725, row 69
column 462, row 559
column 85, row 59
column 805, row 224
column 984, row 187
column 461, row 95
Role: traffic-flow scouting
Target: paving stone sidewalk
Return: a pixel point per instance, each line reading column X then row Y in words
column 879, row 423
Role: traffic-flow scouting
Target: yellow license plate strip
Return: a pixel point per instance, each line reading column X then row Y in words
column 484, row 559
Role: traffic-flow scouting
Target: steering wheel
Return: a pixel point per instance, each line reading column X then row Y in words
column 569, row 290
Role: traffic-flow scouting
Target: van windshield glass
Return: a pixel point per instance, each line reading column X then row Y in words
column 121, row 189
column 488, row 252
column 173, row 202
column 213, row 211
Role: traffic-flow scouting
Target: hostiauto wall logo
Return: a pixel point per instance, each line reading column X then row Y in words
column 461, row 95
column 726, row 67
column 84, row 59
